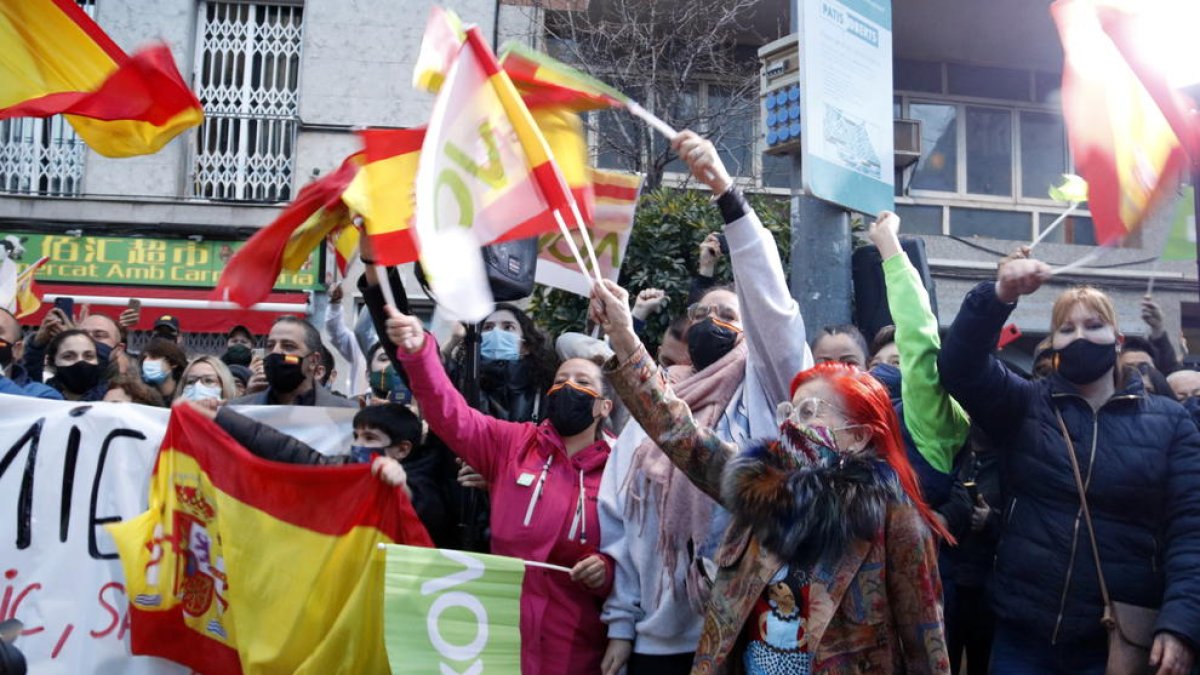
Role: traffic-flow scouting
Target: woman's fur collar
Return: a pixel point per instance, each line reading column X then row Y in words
column 808, row 515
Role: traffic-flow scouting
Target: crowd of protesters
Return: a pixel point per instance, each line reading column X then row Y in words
column 744, row 499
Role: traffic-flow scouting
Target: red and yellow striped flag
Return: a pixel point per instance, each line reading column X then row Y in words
column 252, row 271
column 1122, row 144
column 383, row 192
column 246, row 565
column 57, row 60
column 544, row 81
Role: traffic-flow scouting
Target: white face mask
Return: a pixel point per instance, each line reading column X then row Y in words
column 199, row 391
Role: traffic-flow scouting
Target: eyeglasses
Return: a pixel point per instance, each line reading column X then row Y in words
column 208, row 380
column 698, row 312
column 809, row 409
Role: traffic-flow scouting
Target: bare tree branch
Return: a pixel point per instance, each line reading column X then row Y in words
column 658, row 53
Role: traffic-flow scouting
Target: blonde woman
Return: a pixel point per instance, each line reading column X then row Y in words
column 1138, row 457
column 206, row 377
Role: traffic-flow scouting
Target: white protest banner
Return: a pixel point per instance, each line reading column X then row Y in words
column 616, row 202
column 67, row 469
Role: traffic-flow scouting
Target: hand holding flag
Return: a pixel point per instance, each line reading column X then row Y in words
column 1072, row 190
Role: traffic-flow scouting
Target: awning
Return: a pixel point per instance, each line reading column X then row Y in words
column 195, row 311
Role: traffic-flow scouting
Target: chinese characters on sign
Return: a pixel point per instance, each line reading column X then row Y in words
column 158, row 262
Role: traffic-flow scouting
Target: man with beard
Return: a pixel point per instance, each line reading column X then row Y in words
column 291, row 366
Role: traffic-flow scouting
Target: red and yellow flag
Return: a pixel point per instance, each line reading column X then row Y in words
column 252, row 271
column 57, row 60
column 383, row 192
column 29, row 299
column 246, row 565
column 1136, row 28
column 546, row 81
column 1122, row 144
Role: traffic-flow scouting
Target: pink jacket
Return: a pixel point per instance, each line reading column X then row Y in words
column 561, row 631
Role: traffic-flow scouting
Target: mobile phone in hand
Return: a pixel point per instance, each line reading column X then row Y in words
column 724, row 243
column 66, row 306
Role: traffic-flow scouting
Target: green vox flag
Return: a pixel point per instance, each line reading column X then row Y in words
column 452, row 611
column 1181, row 242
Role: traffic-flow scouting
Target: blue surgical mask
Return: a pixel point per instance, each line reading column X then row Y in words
column 154, row 372
column 500, row 345
column 199, row 391
column 361, row 454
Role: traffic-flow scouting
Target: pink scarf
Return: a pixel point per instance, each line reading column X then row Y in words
column 685, row 513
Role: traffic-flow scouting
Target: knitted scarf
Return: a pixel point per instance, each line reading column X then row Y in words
column 684, row 512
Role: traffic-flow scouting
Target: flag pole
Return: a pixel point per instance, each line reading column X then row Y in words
column 1057, row 221
column 587, row 240
column 566, row 233
column 650, row 118
column 385, row 285
column 1089, row 258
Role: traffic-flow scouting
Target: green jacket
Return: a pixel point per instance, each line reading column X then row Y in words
column 936, row 422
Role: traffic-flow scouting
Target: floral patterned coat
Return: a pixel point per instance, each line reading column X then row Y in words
column 878, row 609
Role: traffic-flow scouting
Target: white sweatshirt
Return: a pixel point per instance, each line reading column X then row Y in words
column 777, row 350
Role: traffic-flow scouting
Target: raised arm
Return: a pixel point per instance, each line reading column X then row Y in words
column 937, row 423
column 994, row 396
column 775, row 332
column 666, row 419
column 470, row 434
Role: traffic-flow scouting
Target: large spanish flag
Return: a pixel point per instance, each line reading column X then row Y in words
column 55, row 59
column 246, row 565
column 1122, row 143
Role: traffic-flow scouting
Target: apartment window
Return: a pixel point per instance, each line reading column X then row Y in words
column 248, row 70
column 999, row 153
column 42, row 156
column 937, row 169
column 989, row 151
column 1043, row 152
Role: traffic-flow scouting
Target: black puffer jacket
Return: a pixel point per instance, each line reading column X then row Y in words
column 1140, row 458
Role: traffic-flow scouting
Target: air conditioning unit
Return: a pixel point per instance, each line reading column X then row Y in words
column 907, row 135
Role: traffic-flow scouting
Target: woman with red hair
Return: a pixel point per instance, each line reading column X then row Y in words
column 830, row 563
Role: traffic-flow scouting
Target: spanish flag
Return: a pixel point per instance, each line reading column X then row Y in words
column 251, row 273
column 243, row 565
column 383, row 192
column 57, row 60
column 1122, row 144
column 544, row 80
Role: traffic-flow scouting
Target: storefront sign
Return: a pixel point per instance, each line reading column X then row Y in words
column 143, row 261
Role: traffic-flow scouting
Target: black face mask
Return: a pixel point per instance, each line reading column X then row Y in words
column 6, row 354
column 285, row 372
column 708, row 342
column 79, row 377
column 1084, row 361
column 569, row 409
column 237, row 355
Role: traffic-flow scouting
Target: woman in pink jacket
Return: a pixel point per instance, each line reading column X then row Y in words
column 543, row 480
